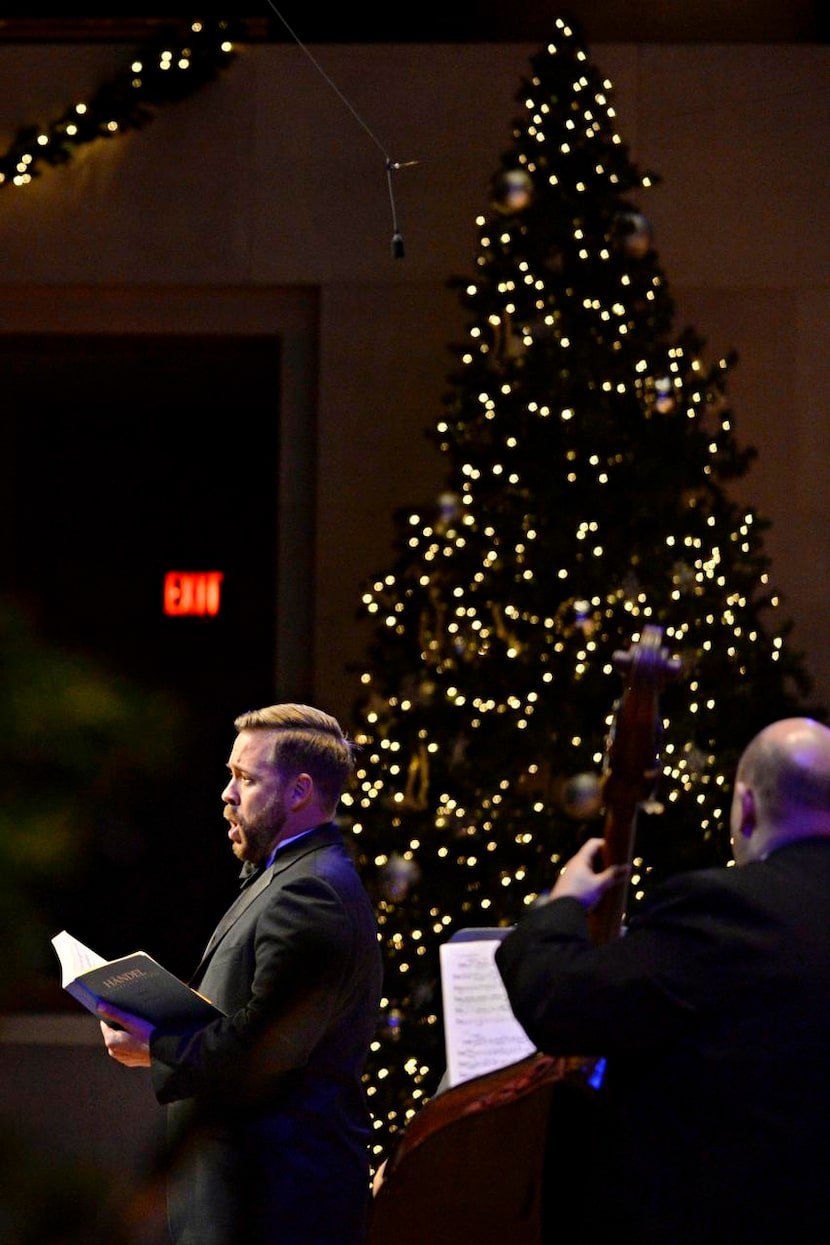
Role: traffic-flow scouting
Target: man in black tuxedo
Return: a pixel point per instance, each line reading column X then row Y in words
column 269, row 1122
column 712, row 1013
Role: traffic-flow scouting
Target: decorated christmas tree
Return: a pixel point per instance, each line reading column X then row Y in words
column 589, row 453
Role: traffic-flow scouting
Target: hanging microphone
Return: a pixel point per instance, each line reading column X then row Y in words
column 397, row 237
column 391, row 165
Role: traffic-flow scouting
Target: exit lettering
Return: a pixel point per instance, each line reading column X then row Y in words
column 192, row 593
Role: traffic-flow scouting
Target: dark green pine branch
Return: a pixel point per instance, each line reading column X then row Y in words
column 168, row 68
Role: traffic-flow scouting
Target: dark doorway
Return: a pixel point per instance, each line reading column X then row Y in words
column 128, row 457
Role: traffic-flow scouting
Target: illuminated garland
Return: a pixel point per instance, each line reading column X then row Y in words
column 170, row 67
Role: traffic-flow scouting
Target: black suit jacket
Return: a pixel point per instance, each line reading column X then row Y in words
column 269, row 1120
column 713, row 1014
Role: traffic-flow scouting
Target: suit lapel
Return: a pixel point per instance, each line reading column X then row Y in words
column 323, row 836
column 243, row 901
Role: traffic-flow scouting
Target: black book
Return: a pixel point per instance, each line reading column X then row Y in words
column 136, row 983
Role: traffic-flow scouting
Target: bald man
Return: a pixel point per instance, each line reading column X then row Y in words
column 711, row 1019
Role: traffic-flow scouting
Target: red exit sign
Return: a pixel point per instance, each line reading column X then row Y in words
column 194, row 593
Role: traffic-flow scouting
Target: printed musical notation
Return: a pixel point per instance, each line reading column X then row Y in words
column 480, row 1030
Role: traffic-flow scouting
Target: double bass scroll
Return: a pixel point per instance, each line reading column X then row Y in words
column 632, row 763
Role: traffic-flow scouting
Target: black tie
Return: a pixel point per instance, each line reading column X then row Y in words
column 248, row 873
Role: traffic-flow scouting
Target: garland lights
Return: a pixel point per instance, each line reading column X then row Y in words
column 168, row 68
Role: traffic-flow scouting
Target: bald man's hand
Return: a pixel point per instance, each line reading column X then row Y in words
column 580, row 880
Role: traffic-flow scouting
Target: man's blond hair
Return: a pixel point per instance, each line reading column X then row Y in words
column 306, row 740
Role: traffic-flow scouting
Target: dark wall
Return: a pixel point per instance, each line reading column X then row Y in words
column 134, row 457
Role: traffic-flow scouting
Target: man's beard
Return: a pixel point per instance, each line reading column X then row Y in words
column 260, row 834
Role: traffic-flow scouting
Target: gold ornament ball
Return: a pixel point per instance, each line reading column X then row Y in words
column 512, row 191
column 582, row 796
column 397, row 876
column 635, row 233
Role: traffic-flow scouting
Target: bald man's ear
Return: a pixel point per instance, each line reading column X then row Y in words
column 746, row 801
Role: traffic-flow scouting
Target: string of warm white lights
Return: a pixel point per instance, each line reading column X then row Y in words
column 170, row 67
column 588, row 448
column 167, row 69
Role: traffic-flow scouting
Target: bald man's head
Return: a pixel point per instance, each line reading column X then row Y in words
column 782, row 788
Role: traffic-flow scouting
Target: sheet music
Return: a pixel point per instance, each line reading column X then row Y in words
column 480, row 1030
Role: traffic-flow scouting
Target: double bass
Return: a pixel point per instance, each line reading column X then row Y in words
column 471, row 1165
